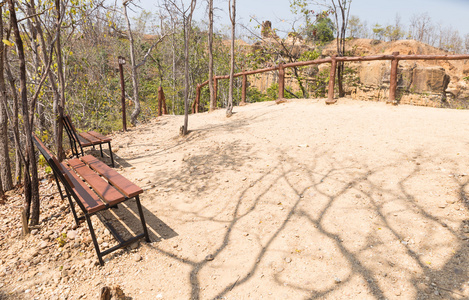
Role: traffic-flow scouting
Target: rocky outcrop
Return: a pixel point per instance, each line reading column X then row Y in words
column 429, row 83
column 417, row 84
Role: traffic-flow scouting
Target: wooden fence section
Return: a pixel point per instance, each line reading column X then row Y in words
column 395, row 57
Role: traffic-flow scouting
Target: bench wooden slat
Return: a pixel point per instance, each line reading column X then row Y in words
column 90, row 138
column 108, row 193
column 90, row 200
column 117, row 180
column 99, row 136
column 84, row 142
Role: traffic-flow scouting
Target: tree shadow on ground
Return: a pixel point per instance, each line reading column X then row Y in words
column 126, row 220
column 324, row 189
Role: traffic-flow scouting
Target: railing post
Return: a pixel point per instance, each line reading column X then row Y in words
column 243, row 91
column 393, row 79
column 197, row 99
column 160, row 101
column 121, row 61
column 281, row 81
column 330, row 96
column 215, row 90
column 165, row 111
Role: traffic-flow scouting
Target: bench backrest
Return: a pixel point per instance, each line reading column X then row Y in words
column 72, row 133
column 50, row 158
column 60, row 172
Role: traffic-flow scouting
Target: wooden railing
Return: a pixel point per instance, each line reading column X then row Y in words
column 395, row 57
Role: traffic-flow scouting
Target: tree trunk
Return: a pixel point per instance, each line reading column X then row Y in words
column 61, row 106
column 342, row 7
column 53, row 84
column 340, row 78
column 136, row 111
column 213, row 99
column 186, row 77
column 31, row 186
column 187, row 33
column 173, row 70
column 6, row 182
column 229, row 107
column 16, row 129
column 32, row 26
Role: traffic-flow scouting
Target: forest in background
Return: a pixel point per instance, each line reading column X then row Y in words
column 61, row 58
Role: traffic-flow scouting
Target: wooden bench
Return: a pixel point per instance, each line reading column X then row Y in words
column 85, row 139
column 95, row 187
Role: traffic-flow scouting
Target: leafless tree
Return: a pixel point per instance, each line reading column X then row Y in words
column 136, row 111
column 213, row 100
column 341, row 12
column 6, row 182
column 186, row 13
column 31, row 183
column 421, row 28
column 232, row 11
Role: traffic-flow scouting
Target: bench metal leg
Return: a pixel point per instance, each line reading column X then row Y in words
column 59, row 188
column 142, row 219
column 100, row 149
column 72, row 207
column 110, row 153
column 93, row 237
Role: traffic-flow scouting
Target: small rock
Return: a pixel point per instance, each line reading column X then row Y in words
column 288, row 260
column 100, row 240
column 107, row 232
column 34, row 231
column 280, row 269
column 72, row 234
column 43, row 245
column 209, row 257
column 134, row 246
column 436, row 293
column 244, row 179
column 105, row 245
column 137, row 257
column 34, row 253
column 358, row 196
column 337, row 280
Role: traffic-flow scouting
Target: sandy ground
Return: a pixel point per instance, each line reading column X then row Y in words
column 357, row 200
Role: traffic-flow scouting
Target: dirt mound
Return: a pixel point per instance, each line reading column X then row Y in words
column 362, row 47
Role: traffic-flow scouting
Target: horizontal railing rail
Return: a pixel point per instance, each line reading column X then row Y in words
column 395, row 57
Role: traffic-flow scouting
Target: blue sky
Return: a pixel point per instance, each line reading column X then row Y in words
column 453, row 13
